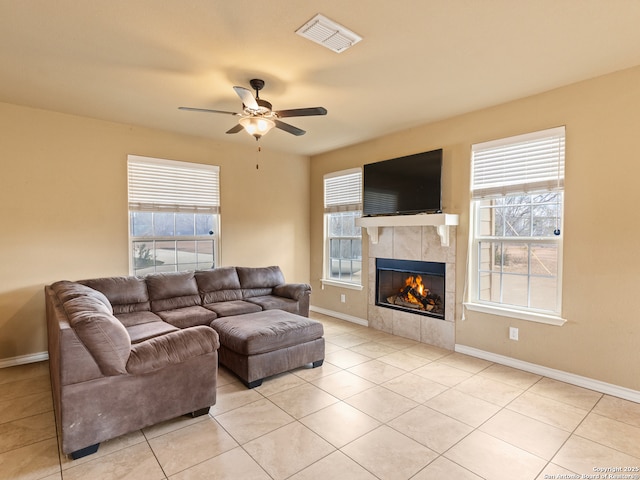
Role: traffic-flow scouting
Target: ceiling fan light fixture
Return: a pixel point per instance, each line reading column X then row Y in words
column 257, row 126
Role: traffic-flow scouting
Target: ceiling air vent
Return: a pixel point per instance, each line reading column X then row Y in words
column 328, row 34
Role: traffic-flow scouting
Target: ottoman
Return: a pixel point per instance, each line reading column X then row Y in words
column 261, row 344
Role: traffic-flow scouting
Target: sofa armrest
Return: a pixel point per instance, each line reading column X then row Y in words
column 294, row 291
column 172, row 348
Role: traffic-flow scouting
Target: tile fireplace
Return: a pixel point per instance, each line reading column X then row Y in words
column 423, row 245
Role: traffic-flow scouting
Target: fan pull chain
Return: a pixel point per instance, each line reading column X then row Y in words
column 259, row 150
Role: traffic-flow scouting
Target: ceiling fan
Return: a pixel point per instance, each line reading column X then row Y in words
column 258, row 117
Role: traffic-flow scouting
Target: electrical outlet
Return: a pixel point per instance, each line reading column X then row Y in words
column 343, row 298
column 513, row 333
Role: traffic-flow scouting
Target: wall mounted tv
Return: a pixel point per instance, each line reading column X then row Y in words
column 404, row 185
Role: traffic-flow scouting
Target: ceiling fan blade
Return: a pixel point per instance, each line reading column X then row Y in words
column 206, row 110
column 247, row 98
column 289, row 128
column 236, row 129
column 302, row 112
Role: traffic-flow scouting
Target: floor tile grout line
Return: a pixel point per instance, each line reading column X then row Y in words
column 24, row 417
column 571, row 434
column 542, row 378
column 58, row 440
column 595, row 441
column 335, row 449
column 30, row 415
column 442, row 454
column 294, row 420
column 478, row 428
column 28, row 444
column 153, row 452
column 438, row 454
column 299, row 420
column 256, row 462
column 19, row 397
column 349, row 396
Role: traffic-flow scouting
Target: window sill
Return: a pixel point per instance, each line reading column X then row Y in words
column 519, row 314
column 337, row 283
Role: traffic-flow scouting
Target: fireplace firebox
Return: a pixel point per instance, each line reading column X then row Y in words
column 412, row 286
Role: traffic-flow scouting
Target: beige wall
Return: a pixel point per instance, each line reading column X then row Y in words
column 601, row 255
column 63, row 207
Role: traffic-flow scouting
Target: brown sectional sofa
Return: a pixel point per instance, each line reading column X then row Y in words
column 129, row 352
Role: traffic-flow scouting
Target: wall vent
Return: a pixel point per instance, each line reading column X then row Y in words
column 328, row 34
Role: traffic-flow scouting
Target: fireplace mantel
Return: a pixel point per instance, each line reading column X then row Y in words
column 441, row 221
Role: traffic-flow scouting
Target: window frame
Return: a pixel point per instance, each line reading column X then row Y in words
column 342, row 192
column 329, row 259
column 476, row 237
column 172, row 194
column 154, row 239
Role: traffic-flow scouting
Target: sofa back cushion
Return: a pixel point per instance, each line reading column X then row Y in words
column 168, row 291
column 259, row 281
column 66, row 290
column 126, row 294
column 218, row 285
column 104, row 336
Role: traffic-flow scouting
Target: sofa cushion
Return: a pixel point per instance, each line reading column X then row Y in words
column 126, row 294
column 168, row 291
column 103, row 335
column 144, row 325
column 66, row 290
column 145, row 331
column 218, row 285
column 235, row 307
column 259, row 281
column 266, row 331
column 188, row 316
column 271, row 302
column 137, row 318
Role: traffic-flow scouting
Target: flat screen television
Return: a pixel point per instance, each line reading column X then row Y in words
column 404, row 185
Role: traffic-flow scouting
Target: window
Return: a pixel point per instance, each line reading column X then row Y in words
column 343, row 239
column 173, row 215
column 517, row 190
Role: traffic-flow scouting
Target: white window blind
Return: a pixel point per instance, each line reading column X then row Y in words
column 522, row 164
column 157, row 184
column 343, row 191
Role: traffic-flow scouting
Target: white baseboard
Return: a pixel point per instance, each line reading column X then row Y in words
column 341, row 316
column 585, row 382
column 24, row 359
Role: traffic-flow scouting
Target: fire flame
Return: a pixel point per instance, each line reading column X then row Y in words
column 415, row 295
column 416, row 284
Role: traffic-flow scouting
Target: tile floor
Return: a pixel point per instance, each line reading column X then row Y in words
column 380, row 407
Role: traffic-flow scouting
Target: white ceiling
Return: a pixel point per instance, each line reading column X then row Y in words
column 136, row 61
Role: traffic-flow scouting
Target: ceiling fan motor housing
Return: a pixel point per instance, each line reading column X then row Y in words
column 256, row 84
